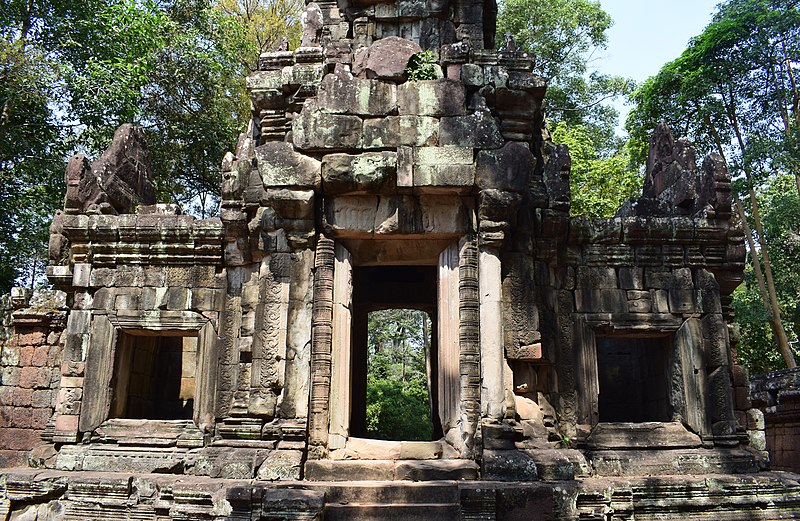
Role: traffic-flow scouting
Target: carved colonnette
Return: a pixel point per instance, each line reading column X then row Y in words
column 322, row 335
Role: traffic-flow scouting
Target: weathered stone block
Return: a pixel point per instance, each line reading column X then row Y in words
column 363, row 449
column 477, row 130
column 472, row 75
column 508, row 465
column 497, row 208
column 527, row 81
column 516, row 103
column 444, row 176
column 370, row 172
column 291, row 204
column 265, row 80
column 431, row 98
column 601, row 301
column 206, row 299
column 508, row 168
column 395, row 131
column 350, row 214
column 385, row 59
column 445, row 155
column 342, row 93
column 596, row 277
column 420, row 450
column 741, row 398
column 426, row 470
column 639, row 301
column 631, row 278
column 310, row 74
column 280, row 165
column 315, row 130
column 19, row 439
column 668, row 279
column 327, row 470
column 755, row 419
column 720, row 400
column 682, row 301
column 281, row 465
column 442, row 215
column 81, row 275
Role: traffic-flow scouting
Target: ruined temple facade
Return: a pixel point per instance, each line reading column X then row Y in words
column 218, row 366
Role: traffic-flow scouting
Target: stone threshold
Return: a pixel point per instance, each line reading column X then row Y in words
column 391, row 470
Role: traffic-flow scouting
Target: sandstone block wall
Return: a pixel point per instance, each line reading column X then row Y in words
column 777, row 397
column 30, row 362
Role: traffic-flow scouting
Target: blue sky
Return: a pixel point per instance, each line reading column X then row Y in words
column 647, row 34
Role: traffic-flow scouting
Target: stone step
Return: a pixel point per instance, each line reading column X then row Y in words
column 391, row 470
column 390, row 492
column 396, row 512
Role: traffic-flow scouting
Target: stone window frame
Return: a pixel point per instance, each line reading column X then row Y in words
column 687, row 369
column 101, row 357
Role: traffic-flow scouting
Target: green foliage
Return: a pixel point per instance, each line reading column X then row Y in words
column 398, row 404
column 72, row 71
column 735, row 74
column 563, row 35
column 263, row 26
column 599, row 185
column 31, row 151
column 734, row 91
column 421, row 66
column 397, row 411
column 780, row 209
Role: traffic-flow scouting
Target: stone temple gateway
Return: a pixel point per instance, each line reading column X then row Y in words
column 215, row 369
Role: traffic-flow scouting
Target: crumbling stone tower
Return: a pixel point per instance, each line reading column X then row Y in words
column 235, row 347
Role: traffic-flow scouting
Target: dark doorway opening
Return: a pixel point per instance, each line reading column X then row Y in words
column 395, row 352
column 154, row 377
column 633, row 379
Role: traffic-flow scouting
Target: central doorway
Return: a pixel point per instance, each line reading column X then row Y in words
column 400, row 301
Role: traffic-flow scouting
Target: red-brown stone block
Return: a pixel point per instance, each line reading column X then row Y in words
column 21, row 397
column 18, row 439
column 21, row 417
column 26, row 355
column 40, row 356
column 32, row 338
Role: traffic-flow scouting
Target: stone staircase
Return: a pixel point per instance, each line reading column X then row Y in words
column 393, row 501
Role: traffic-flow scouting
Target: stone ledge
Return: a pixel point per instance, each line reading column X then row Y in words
column 671, row 462
column 391, row 470
column 648, row 435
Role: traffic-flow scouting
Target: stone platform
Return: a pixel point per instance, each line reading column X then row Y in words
column 51, row 495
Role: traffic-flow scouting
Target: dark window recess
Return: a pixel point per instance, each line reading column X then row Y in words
column 394, row 353
column 633, row 379
column 154, row 377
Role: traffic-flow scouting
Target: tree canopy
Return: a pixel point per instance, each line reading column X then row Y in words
column 398, row 399
column 72, row 71
column 734, row 91
column 564, row 37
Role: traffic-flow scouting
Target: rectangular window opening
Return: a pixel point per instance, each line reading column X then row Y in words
column 398, row 368
column 633, row 377
column 154, row 377
column 395, row 353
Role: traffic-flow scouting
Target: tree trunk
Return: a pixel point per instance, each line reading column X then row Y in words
column 771, row 306
column 783, row 343
column 795, row 101
column 426, row 344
